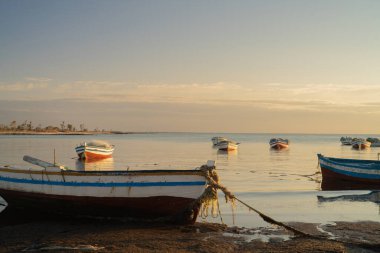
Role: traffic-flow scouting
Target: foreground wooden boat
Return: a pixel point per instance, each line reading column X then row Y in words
column 279, row 143
column 94, row 150
column 167, row 194
column 349, row 174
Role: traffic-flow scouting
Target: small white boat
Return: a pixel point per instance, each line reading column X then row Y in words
column 94, row 150
column 359, row 143
column 215, row 140
column 375, row 142
column 346, row 140
column 172, row 194
column 279, row 143
column 227, row 145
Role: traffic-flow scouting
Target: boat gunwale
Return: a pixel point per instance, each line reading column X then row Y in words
column 358, row 163
column 104, row 184
column 278, row 140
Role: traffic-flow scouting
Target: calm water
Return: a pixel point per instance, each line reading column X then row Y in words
column 282, row 184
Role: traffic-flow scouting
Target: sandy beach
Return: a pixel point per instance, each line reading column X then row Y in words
column 104, row 235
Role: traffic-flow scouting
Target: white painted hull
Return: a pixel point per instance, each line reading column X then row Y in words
column 87, row 184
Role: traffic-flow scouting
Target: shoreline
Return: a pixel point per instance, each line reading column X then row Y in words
column 105, row 235
column 67, row 133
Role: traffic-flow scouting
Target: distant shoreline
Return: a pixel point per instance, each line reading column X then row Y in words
column 62, row 133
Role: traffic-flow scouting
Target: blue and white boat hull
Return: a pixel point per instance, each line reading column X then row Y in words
column 147, row 193
column 338, row 173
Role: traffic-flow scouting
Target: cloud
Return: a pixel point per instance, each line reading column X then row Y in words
column 31, row 83
column 38, row 79
column 15, row 87
column 153, row 93
column 271, row 96
column 199, row 107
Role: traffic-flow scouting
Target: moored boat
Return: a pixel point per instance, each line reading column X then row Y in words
column 346, row 140
column 359, row 143
column 167, row 194
column 227, row 145
column 375, row 142
column 279, row 143
column 215, row 140
column 341, row 173
column 94, row 150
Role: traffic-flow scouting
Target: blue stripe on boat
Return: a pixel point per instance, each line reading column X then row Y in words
column 98, row 184
column 354, row 164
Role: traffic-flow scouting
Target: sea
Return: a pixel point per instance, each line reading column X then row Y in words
column 283, row 184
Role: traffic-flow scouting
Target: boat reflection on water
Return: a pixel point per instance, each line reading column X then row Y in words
column 278, row 150
column 373, row 196
column 226, row 152
column 94, row 164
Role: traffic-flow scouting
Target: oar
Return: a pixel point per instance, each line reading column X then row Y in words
column 41, row 163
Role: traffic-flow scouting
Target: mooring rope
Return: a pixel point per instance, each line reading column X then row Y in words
column 214, row 185
column 211, row 192
column 273, row 221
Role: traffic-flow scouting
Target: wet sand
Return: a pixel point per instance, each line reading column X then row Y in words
column 74, row 235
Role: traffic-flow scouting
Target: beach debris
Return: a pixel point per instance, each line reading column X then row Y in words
column 258, row 234
column 330, row 235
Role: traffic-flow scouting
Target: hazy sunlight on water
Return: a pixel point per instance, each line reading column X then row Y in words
column 281, row 183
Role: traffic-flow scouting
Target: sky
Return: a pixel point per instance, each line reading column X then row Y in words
column 269, row 66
